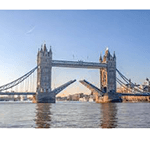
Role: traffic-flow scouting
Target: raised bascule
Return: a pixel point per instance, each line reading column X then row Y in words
column 45, row 94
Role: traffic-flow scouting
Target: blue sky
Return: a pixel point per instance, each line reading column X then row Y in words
column 75, row 35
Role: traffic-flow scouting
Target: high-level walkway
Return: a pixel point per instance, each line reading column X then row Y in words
column 78, row 64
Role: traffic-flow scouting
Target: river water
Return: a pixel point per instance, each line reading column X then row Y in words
column 74, row 114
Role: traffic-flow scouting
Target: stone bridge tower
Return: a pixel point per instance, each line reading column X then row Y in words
column 44, row 62
column 108, row 75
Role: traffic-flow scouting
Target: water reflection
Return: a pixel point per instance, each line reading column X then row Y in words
column 43, row 115
column 74, row 115
column 108, row 118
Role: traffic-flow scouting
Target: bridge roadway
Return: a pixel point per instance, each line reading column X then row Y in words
column 17, row 93
column 136, row 94
column 33, row 93
column 78, row 64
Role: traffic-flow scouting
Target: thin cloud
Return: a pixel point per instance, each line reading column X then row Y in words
column 30, row 31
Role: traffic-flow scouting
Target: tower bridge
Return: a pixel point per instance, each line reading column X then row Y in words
column 45, row 63
column 45, row 94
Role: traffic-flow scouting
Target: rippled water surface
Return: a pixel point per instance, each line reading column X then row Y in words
column 74, row 115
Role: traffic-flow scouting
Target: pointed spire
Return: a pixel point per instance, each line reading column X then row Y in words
column 107, row 54
column 50, row 49
column 100, row 58
column 107, row 49
column 114, row 56
column 41, row 47
column 44, row 47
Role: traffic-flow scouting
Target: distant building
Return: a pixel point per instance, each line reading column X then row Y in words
column 75, row 97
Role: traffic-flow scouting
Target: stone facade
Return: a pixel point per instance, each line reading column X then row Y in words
column 45, row 97
column 108, row 75
column 108, row 79
column 44, row 62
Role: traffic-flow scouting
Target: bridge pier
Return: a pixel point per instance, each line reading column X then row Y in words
column 45, row 97
column 109, row 97
column 108, row 74
column 44, row 63
column 112, row 97
column 108, row 78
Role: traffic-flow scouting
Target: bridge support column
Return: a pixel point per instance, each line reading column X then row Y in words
column 108, row 75
column 108, row 78
column 112, row 97
column 109, row 97
column 44, row 62
column 43, row 97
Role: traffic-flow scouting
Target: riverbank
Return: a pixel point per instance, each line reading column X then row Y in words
column 106, row 99
column 136, row 98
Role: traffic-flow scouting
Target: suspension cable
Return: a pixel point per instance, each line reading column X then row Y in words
column 122, row 84
column 17, row 81
column 126, row 80
column 129, row 82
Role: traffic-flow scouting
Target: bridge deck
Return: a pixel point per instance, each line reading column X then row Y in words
column 91, row 87
column 17, row 93
column 136, row 94
column 62, row 87
column 78, row 64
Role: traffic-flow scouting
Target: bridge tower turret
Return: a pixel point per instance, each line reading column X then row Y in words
column 44, row 62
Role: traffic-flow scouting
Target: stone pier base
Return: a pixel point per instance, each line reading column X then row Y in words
column 45, row 97
column 109, row 97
